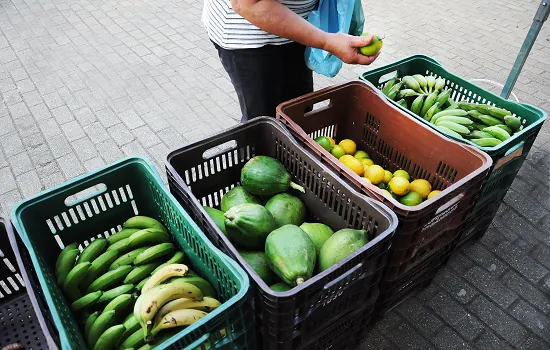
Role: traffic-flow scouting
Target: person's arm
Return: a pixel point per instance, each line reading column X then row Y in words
column 273, row 17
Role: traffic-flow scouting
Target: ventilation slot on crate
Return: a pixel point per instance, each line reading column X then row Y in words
column 85, row 210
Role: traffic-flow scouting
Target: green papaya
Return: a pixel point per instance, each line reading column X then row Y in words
column 237, row 195
column 280, row 287
column 341, row 244
column 258, row 262
column 249, row 225
column 319, row 233
column 266, row 176
column 290, row 254
column 216, row 216
column 286, row 209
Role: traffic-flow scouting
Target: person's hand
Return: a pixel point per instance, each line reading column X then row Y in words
column 345, row 47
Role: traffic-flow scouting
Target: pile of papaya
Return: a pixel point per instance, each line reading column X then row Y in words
column 267, row 223
column 397, row 185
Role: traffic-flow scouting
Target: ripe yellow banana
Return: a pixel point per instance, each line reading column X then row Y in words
column 207, row 304
column 166, row 272
column 178, row 318
column 148, row 304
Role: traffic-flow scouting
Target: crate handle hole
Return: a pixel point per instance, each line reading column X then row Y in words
column 387, row 77
column 86, row 194
column 316, row 107
column 220, row 149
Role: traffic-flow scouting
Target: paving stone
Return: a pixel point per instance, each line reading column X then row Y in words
column 389, row 322
column 8, row 200
column 455, row 315
column 455, row 286
column 491, row 287
column 526, row 265
column 423, row 319
column 109, row 151
column 84, row 149
column 533, row 344
column 376, row 341
column 94, row 164
column 505, row 326
column 486, row 259
column 527, row 291
column 447, row 339
column 72, row 130
column 20, row 163
column 11, row 144
column 410, row 339
column 533, row 319
column 70, row 166
column 7, row 180
column 29, row 183
column 490, row 341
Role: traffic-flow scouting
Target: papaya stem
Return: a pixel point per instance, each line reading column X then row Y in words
column 297, row 187
column 300, row 280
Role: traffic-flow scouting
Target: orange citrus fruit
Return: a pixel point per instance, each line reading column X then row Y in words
column 402, row 173
column 434, row 193
column 387, row 176
column 354, row 164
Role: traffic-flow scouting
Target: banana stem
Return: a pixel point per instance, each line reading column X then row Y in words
column 297, row 187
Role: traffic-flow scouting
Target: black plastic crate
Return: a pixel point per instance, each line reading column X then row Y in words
column 21, row 319
column 393, row 292
column 201, row 173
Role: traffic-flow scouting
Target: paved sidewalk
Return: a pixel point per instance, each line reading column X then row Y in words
column 83, row 83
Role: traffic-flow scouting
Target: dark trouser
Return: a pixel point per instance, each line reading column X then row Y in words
column 266, row 76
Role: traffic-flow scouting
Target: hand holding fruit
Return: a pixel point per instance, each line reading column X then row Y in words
column 345, row 47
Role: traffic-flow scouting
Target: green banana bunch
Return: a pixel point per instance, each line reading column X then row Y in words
column 422, row 82
column 144, row 222
column 412, row 83
column 392, row 94
column 109, row 339
column 100, row 265
column 430, row 101
column 109, row 279
column 153, row 253
column 124, row 233
column 73, row 280
column 65, row 262
column 86, row 301
column 430, row 80
column 127, row 259
column 115, row 292
column 100, row 325
column 389, row 84
column 147, row 237
column 93, row 250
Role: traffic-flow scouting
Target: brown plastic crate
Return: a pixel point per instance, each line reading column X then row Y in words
column 358, row 111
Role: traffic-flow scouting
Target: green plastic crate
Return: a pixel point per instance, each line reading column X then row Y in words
column 508, row 156
column 532, row 117
column 104, row 200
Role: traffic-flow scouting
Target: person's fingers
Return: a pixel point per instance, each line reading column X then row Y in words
column 360, row 41
column 365, row 60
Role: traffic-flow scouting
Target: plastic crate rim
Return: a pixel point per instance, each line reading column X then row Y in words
column 16, row 211
column 544, row 115
column 472, row 150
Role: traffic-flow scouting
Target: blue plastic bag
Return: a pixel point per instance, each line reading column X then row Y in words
column 333, row 16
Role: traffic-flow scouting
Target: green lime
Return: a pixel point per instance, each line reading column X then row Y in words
column 324, row 142
column 382, row 186
column 361, row 155
column 403, row 174
column 373, row 48
column 411, row 199
column 338, row 151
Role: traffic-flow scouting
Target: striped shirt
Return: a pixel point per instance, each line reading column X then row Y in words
column 231, row 31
